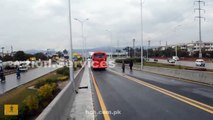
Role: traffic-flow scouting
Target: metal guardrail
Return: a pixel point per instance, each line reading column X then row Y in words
column 56, row 109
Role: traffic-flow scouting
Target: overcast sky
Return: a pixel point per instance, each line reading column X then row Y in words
column 43, row 24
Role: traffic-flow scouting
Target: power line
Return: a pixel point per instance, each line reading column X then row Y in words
column 199, row 17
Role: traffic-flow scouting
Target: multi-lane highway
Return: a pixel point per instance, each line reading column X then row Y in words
column 186, row 63
column 12, row 82
column 144, row 96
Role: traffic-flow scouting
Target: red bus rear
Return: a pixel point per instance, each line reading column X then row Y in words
column 99, row 60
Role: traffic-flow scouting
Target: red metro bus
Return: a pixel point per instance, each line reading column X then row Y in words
column 99, row 60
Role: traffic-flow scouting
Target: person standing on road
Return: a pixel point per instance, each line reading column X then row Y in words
column 2, row 77
column 18, row 73
column 123, row 66
column 131, row 65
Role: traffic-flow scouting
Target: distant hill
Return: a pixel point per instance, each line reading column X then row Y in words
column 104, row 49
column 51, row 51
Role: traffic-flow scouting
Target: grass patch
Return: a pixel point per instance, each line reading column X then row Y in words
column 46, row 90
column 17, row 96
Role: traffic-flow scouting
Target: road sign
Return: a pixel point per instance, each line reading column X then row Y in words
column 10, row 109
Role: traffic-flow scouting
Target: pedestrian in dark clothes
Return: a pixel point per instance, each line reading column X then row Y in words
column 123, row 66
column 131, row 65
column 2, row 77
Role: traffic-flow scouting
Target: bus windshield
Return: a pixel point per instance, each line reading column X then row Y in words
column 99, row 55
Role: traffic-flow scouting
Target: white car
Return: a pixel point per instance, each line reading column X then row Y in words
column 176, row 58
column 171, row 60
column 200, row 62
column 23, row 67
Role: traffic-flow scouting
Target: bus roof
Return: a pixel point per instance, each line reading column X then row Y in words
column 99, row 52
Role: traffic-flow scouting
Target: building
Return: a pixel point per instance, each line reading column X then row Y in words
column 189, row 47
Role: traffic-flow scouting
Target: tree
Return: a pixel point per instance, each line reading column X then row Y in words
column 60, row 54
column 40, row 56
column 65, row 51
column 183, row 53
column 7, row 58
column 20, row 56
column 28, row 56
column 118, row 50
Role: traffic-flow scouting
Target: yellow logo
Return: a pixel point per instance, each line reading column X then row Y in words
column 10, row 109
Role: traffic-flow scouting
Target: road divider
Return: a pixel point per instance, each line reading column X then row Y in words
column 176, row 96
column 57, row 108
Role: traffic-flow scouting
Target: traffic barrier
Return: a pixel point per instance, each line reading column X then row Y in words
column 198, row 76
column 58, row 107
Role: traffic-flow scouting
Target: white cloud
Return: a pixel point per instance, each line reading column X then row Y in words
column 42, row 24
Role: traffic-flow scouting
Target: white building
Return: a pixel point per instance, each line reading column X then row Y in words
column 189, row 47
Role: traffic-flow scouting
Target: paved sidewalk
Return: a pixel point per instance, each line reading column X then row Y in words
column 82, row 108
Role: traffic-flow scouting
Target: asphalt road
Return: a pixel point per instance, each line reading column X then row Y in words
column 187, row 63
column 134, row 101
column 12, row 82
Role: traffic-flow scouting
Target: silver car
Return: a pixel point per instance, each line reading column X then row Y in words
column 200, row 62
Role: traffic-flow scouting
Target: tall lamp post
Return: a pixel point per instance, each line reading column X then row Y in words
column 71, row 48
column 176, row 47
column 2, row 48
column 148, row 45
column 110, row 42
column 141, row 2
column 133, row 47
column 82, row 32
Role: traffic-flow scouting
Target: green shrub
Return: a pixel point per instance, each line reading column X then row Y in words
column 40, row 83
column 47, row 90
column 63, row 78
column 47, row 81
column 63, row 71
column 51, row 80
column 32, row 102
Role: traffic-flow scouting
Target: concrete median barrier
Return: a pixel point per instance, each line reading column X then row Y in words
column 199, row 76
column 56, row 109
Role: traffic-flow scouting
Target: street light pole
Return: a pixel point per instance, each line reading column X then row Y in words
column 2, row 51
column 110, row 42
column 133, row 48
column 176, row 47
column 141, row 34
column 71, row 48
column 148, row 49
column 82, row 32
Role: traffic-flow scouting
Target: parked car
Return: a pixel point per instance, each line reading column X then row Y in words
column 171, row 60
column 23, row 67
column 200, row 62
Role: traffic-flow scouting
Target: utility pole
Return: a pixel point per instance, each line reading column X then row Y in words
column 110, row 33
column 133, row 53
column 118, row 55
column 2, row 48
column 199, row 9
column 11, row 50
column 141, row 3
